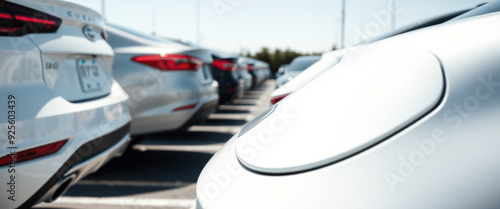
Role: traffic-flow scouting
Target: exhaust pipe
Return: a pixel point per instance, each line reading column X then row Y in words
column 59, row 188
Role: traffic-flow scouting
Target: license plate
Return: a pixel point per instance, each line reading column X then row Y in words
column 91, row 78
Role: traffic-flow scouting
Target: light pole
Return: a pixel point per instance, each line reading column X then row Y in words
column 198, row 10
column 103, row 10
column 153, row 22
column 342, row 30
column 393, row 15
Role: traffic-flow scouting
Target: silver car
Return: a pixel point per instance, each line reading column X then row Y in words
column 297, row 65
column 406, row 122
column 281, row 70
column 243, row 69
column 62, row 116
column 253, row 67
column 170, row 84
column 328, row 60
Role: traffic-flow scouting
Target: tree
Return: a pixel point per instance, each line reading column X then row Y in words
column 278, row 57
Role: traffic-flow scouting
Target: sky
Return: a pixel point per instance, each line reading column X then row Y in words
column 248, row 25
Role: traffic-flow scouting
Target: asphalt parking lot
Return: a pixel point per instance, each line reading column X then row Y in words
column 161, row 170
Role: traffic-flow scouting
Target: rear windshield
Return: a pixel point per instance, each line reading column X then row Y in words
column 145, row 35
column 301, row 64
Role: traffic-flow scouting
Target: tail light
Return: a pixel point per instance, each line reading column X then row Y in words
column 275, row 100
column 17, row 20
column 250, row 67
column 33, row 153
column 187, row 107
column 170, row 62
column 225, row 65
column 104, row 35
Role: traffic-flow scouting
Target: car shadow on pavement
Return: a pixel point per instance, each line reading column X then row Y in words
column 228, row 111
column 250, row 97
column 223, row 122
column 139, row 172
column 186, row 138
column 243, row 104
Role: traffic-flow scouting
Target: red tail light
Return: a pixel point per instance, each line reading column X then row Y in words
column 170, row 62
column 187, row 107
column 278, row 98
column 104, row 35
column 33, row 153
column 17, row 20
column 250, row 67
column 225, row 65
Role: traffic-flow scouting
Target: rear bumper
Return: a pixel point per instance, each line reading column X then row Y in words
column 50, row 119
column 171, row 121
column 156, row 109
column 230, row 92
column 202, row 113
column 87, row 159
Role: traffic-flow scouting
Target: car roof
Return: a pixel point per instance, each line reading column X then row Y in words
column 145, row 36
column 482, row 9
column 418, row 25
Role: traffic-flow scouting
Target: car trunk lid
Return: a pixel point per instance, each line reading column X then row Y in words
column 76, row 60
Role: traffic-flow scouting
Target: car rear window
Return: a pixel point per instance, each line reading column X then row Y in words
column 302, row 64
column 145, row 35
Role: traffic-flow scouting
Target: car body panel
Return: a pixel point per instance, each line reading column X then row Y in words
column 447, row 159
column 346, row 103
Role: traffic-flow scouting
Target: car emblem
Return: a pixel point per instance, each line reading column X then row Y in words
column 89, row 32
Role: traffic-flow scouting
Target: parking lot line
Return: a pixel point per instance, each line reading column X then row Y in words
column 133, row 183
column 185, row 148
column 127, row 202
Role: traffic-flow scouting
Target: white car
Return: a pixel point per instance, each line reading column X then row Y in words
column 407, row 122
column 330, row 59
column 63, row 115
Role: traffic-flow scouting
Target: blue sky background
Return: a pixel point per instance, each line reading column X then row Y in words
column 241, row 25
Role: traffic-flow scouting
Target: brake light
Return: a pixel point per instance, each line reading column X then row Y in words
column 33, row 153
column 17, row 20
column 275, row 100
column 225, row 65
column 104, row 35
column 187, row 107
column 170, row 62
column 250, row 67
